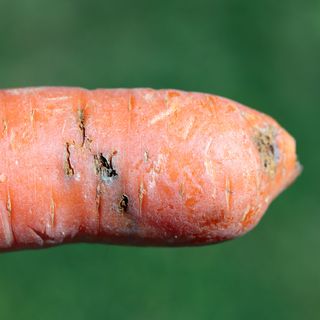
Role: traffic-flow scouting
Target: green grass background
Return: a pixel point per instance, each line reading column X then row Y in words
column 265, row 54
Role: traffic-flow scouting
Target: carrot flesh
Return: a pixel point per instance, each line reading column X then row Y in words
column 135, row 167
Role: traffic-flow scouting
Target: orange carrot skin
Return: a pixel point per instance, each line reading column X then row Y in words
column 135, row 167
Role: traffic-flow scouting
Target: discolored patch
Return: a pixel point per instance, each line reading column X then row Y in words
column 123, row 203
column 67, row 167
column 81, row 125
column 104, row 168
column 5, row 128
column 266, row 145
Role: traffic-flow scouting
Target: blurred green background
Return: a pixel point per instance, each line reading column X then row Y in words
column 264, row 54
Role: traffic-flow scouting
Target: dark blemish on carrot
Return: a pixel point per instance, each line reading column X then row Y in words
column 81, row 125
column 266, row 145
column 43, row 236
column 104, row 168
column 67, row 167
column 123, row 203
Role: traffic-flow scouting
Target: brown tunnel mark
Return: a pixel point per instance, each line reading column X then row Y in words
column 67, row 167
column 265, row 142
column 104, row 168
column 82, row 126
column 123, row 203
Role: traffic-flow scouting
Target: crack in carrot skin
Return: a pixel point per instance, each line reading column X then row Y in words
column 81, row 124
column 46, row 239
column 9, row 207
column 68, row 169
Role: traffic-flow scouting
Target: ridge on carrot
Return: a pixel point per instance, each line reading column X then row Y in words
column 135, row 167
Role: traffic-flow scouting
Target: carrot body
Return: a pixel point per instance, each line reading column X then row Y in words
column 139, row 166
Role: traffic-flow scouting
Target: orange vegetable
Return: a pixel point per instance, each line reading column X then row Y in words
column 135, row 166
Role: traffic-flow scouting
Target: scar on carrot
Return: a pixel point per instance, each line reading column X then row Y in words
column 52, row 211
column 9, row 207
column 146, row 156
column 266, row 145
column 141, row 194
column 123, row 203
column 81, row 124
column 131, row 102
column 181, row 191
column 67, row 167
column 5, row 127
column 104, row 168
column 42, row 235
column 32, row 112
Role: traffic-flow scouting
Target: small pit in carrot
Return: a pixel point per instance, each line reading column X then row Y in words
column 123, row 203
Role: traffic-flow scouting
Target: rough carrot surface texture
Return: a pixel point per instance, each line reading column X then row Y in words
column 135, row 166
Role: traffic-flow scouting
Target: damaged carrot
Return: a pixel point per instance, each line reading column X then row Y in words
column 135, row 167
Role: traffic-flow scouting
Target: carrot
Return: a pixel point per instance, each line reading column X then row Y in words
column 135, row 167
